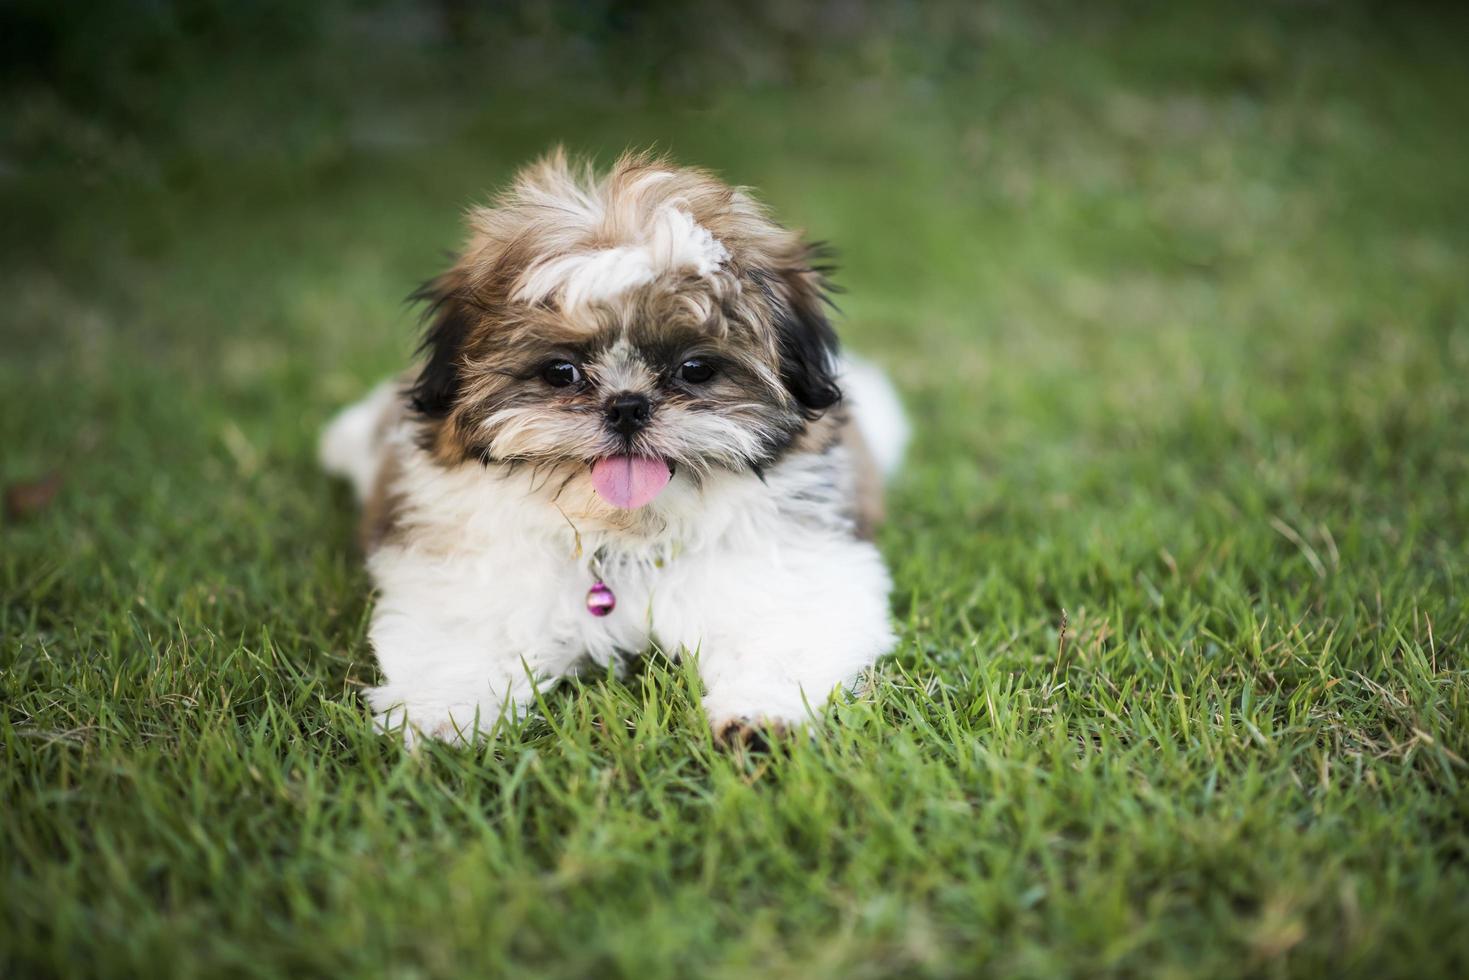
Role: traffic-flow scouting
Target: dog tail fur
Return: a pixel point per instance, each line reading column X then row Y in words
column 351, row 445
column 877, row 411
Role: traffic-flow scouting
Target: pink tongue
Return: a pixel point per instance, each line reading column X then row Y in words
column 629, row 482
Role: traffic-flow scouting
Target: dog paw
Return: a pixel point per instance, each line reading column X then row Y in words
column 458, row 724
column 754, row 734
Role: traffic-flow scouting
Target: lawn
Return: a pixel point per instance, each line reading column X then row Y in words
column 1179, row 304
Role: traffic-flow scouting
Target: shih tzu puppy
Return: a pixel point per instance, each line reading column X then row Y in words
column 631, row 428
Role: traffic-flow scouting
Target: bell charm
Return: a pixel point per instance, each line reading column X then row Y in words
column 600, row 600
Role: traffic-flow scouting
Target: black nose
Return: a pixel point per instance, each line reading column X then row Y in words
column 627, row 413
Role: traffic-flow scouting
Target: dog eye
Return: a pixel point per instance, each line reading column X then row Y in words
column 559, row 374
column 695, row 371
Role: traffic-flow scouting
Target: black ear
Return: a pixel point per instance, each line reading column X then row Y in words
column 807, row 342
column 448, row 322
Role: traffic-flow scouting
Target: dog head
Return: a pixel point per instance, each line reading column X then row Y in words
column 624, row 327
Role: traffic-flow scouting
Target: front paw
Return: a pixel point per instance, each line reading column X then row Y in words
column 759, row 715
column 755, row 734
column 459, row 723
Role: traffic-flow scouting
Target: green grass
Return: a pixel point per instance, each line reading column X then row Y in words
column 1180, row 307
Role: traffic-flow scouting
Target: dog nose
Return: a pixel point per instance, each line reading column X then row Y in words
column 628, row 412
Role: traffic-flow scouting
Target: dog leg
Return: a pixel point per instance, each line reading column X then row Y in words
column 450, row 668
column 777, row 634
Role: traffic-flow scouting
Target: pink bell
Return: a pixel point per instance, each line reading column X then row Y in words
column 600, row 600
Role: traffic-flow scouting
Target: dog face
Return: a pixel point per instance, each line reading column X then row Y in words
column 652, row 317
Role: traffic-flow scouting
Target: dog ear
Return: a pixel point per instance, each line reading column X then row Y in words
column 448, row 321
column 805, row 338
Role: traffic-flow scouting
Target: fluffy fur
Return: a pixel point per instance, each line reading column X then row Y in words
column 666, row 290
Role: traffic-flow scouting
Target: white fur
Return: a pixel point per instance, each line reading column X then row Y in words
column 482, row 598
column 878, row 411
column 674, row 242
column 349, row 446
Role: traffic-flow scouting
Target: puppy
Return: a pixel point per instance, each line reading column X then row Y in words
column 630, row 427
